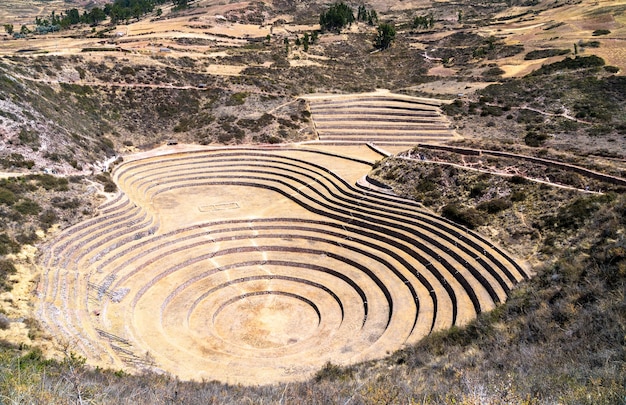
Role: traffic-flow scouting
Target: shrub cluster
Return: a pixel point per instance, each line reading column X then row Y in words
column 107, row 182
column 469, row 217
column 545, row 53
column 535, row 139
column 495, row 205
column 16, row 160
column 579, row 62
column 6, row 269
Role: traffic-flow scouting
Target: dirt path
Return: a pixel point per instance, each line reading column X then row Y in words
column 107, row 84
column 6, row 175
column 498, row 173
column 564, row 114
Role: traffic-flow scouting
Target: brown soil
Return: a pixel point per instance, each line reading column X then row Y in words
column 250, row 297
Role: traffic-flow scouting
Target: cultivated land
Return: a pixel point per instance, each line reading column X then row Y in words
column 262, row 260
column 441, row 221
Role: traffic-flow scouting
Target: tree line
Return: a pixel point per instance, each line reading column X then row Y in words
column 340, row 15
column 117, row 11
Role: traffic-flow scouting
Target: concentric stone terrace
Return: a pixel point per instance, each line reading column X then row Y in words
column 258, row 266
column 381, row 118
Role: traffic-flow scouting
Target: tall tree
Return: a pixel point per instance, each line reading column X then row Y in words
column 385, row 35
column 372, row 17
column 180, row 4
column 305, row 41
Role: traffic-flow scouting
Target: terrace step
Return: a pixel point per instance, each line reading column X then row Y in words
column 341, row 274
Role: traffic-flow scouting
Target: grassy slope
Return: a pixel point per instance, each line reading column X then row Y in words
column 560, row 336
column 141, row 109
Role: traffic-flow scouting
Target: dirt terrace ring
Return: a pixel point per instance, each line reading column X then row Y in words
column 257, row 266
column 381, row 118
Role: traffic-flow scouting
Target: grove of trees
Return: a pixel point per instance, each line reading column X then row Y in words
column 338, row 16
column 363, row 15
column 117, row 11
column 424, row 21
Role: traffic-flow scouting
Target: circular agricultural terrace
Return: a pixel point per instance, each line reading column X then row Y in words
column 259, row 266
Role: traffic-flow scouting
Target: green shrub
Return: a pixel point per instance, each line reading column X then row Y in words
column 518, row 196
column 65, row 203
column 589, row 44
column 494, row 206
column 27, row 207
column 579, row 62
column 110, row 187
column 574, row 214
column 48, row 218
column 224, row 137
column 545, row 53
column 333, row 372
column 518, row 179
column 455, row 108
column 183, row 125
column 232, row 131
column 493, row 72
column 6, row 269
column 29, row 138
column 50, row 182
column 425, row 185
column 127, row 71
column 478, row 189
column 7, row 197
column 491, row 110
column 107, row 145
column 258, row 124
column 535, row 139
column 237, row 99
column 469, row 217
column 597, row 33
column 107, row 182
column 77, row 88
column 8, row 245
column 17, row 160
